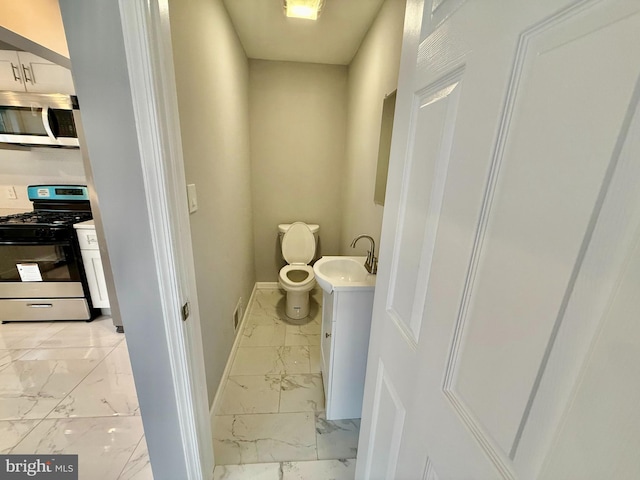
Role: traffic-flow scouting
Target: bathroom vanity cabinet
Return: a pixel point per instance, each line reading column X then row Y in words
column 346, row 324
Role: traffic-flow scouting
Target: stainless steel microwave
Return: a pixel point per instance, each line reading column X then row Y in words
column 38, row 119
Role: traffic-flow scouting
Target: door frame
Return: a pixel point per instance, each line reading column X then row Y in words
column 147, row 42
column 172, row 391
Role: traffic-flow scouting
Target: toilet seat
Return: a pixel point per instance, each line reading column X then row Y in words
column 307, row 284
column 298, row 244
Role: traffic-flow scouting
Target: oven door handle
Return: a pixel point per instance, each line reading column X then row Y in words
column 47, row 123
column 40, row 305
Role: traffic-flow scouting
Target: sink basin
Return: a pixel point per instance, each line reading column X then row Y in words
column 343, row 273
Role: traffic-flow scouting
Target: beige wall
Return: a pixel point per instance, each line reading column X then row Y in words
column 37, row 20
column 373, row 73
column 212, row 86
column 298, row 121
column 20, row 168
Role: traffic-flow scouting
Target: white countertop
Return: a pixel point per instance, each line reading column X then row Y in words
column 88, row 225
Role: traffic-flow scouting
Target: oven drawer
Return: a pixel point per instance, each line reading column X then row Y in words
column 41, row 289
column 87, row 239
column 44, row 309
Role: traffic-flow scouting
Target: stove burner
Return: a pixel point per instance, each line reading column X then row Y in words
column 45, row 218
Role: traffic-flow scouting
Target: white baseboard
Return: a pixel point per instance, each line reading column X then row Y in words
column 232, row 356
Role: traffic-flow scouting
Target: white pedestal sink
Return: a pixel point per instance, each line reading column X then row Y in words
column 347, row 306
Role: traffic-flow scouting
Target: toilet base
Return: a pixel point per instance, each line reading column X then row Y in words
column 297, row 305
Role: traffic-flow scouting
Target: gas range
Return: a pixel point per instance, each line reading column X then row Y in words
column 41, row 272
column 45, row 218
column 40, row 224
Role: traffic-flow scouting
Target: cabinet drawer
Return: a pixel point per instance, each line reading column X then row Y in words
column 88, row 239
column 49, row 309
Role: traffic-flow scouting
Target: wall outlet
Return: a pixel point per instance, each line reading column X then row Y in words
column 237, row 315
column 10, row 192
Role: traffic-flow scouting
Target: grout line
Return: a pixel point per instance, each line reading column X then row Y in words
column 280, row 392
column 133, row 450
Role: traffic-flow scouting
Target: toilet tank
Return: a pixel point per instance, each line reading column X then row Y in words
column 283, row 227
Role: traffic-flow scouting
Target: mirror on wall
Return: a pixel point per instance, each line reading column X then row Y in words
column 384, row 149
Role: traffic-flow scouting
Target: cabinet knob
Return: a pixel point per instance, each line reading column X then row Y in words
column 327, row 335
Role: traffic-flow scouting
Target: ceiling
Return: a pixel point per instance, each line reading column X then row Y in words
column 334, row 38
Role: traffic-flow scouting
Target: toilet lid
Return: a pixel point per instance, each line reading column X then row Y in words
column 298, row 244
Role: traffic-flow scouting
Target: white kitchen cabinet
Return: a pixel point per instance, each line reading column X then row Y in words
column 346, row 323
column 10, row 72
column 92, row 264
column 26, row 72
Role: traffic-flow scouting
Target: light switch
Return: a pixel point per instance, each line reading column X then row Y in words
column 11, row 192
column 192, row 198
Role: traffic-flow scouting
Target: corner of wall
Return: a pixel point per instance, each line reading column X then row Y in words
column 212, row 75
column 373, row 73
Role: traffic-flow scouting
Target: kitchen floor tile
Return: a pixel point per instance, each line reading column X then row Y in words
column 32, row 388
column 99, row 333
column 109, row 390
column 103, row 445
column 8, row 356
column 20, row 335
column 138, row 466
column 13, row 431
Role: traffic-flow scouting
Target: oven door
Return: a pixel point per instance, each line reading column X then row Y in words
column 41, row 281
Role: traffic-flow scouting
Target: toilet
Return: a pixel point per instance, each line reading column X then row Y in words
column 298, row 244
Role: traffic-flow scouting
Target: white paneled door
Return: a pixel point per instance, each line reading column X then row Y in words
column 505, row 339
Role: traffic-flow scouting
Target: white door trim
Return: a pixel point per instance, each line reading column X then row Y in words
column 147, row 44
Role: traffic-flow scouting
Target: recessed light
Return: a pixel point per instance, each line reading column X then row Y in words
column 307, row 9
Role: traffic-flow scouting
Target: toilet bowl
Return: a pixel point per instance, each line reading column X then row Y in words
column 297, row 278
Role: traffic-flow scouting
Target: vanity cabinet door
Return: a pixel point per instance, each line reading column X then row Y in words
column 326, row 337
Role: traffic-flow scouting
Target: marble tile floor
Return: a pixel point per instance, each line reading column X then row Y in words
column 270, row 419
column 67, row 387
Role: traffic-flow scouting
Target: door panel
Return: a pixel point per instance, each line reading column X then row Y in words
column 389, row 413
column 434, row 116
column 512, row 208
column 538, row 222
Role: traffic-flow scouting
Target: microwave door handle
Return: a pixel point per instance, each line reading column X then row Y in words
column 47, row 124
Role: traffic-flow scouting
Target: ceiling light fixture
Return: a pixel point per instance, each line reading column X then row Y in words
column 308, row 9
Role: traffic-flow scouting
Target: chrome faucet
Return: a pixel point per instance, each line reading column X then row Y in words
column 371, row 263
